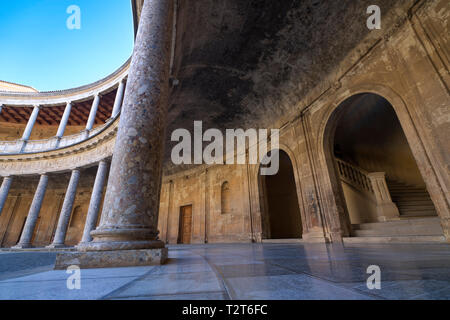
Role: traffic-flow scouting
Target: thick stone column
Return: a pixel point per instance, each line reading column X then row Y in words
column 118, row 100
column 30, row 124
column 4, row 190
column 94, row 204
column 33, row 214
column 130, row 212
column 66, row 210
column 64, row 120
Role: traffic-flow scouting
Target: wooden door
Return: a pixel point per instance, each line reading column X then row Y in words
column 185, row 224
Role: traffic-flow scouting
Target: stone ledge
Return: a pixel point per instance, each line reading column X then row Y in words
column 111, row 259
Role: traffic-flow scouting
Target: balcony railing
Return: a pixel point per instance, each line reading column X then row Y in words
column 54, row 143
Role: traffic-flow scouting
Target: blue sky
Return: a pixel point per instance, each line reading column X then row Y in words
column 37, row 48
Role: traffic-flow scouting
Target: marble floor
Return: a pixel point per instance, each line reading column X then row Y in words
column 243, row 271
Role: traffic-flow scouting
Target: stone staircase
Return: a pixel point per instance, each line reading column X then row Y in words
column 413, row 230
column 411, row 201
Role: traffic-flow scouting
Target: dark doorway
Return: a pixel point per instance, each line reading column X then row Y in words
column 281, row 213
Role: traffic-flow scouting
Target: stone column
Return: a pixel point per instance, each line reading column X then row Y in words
column 92, row 114
column 130, row 213
column 1, row 107
column 64, row 120
column 94, row 204
column 33, row 214
column 4, row 190
column 27, row 133
column 66, row 210
column 118, row 100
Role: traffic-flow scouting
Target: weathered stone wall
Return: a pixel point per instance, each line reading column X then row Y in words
column 409, row 69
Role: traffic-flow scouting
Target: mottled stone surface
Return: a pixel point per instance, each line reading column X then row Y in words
column 105, row 259
column 64, row 216
column 33, row 213
column 130, row 214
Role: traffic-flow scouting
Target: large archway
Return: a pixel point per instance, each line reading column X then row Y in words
column 376, row 177
column 281, row 218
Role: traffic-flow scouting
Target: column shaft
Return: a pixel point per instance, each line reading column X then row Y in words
column 96, row 199
column 66, row 210
column 33, row 213
column 118, row 100
column 64, row 120
column 4, row 190
column 93, row 113
column 130, row 212
column 27, row 133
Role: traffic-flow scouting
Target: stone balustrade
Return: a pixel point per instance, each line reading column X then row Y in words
column 53, row 143
column 373, row 185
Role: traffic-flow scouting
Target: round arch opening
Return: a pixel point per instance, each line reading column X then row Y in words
column 374, row 175
column 281, row 218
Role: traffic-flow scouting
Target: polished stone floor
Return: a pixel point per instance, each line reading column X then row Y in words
column 244, row 271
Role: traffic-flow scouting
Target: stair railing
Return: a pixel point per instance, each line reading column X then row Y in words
column 372, row 184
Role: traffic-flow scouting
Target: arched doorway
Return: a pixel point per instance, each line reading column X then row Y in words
column 281, row 217
column 376, row 177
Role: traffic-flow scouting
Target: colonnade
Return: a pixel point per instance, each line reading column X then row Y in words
column 66, row 210
column 66, row 115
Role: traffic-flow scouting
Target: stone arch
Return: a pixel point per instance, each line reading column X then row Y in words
column 411, row 130
column 277, row 222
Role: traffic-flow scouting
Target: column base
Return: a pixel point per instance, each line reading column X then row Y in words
column 22, row 246
column 119, row 245
column 108, row 239
column 314, row 236
column 111, row 259
column 56, row 246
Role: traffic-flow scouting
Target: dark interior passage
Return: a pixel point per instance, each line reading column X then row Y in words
column 282, row 213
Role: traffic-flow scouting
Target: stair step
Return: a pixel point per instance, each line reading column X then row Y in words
column 398, row 232
column 411, row 200
column 415, row 201
column 400, row 239
column 429, row 222
column 409, row 192
column 416, row 207
column 407, row 227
